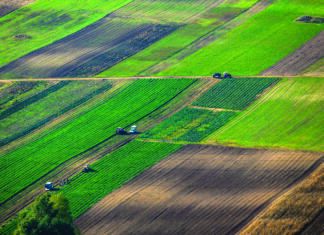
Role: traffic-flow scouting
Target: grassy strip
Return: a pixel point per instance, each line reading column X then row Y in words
column 32, row 99
column 234, row 94
column 44, row 22
column 112, row 171
column 45, row 110
column 289, row 116
column 124, row 109
column 293, row 211
column 189, row 125
column 257, row 44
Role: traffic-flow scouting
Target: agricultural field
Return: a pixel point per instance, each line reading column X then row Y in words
column 210, row 156
column 126, row 108
column 43, row 22
column 111, row 172
column 301, row 59
column 199, row 189
column 108, row 41
column 45, row 106
column 16, row 92
column 289, row 116
column 99, row 46
column 195, row 34
column 285, row 217
column 234, row 94
column 257, row 44
column 189, row 124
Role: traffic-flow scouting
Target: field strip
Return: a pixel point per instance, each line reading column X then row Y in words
column 199, row 189
column 142, row 77
column 212, row 109
column 299, row 60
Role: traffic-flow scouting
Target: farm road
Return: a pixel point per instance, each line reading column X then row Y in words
column 136, row 77
column 299, row 60
column 200, row 189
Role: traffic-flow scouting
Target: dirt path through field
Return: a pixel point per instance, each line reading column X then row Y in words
column 299, row 60
column 200, row 189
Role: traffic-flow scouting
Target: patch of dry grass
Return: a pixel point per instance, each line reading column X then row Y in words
column 293, row 211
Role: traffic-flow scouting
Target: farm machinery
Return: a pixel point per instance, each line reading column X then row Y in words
column 121, row 131
column 219, row 75
column 49, row 186
column 86, row 169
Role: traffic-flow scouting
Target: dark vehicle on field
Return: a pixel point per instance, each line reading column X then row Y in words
column 219, row 75
column 120, row 131
column 86, row 169
column 49, row 186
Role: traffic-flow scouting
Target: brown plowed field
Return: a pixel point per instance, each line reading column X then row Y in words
column 200, row 189
column 299, row 60
column 7, row 6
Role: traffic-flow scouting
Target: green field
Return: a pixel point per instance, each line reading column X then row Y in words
column 289, row 116
column 148, row 61
column 235, row 93
column 112, row 171
column 26, row 164
column 256, row 44
column 46, row 21
column 45, row 106
column 189, row 125
column 17, row 92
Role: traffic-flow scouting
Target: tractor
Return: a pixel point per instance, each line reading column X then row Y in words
column 49, row 186
column 120, row 131
column 219, row 75
column 133, row 130
column 227, row 75
column 86, row 169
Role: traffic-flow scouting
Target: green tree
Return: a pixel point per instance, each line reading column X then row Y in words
column 48, row 215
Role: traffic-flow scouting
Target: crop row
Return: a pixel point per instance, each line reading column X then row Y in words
column 47, row 105
column 113, row 171
column 189, row 124
column 26, row 164
column 234, row 93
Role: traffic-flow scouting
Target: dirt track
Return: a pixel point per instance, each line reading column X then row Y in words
column 300, row 59
column 198, row 190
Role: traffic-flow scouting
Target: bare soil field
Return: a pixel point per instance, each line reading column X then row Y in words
column 299, row 60
column 200, row 189
column 88, row 51
column 7, row 6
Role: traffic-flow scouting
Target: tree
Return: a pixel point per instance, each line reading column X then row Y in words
column 48, row 215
